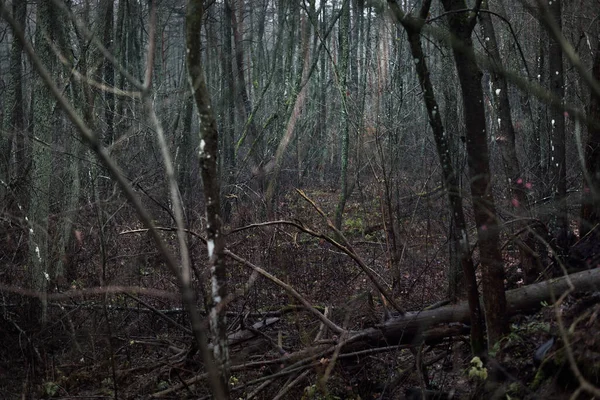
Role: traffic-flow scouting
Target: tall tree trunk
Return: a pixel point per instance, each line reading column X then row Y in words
column 68, row 195
column 106, row 19
column 134, row 38
column 413, row 26
column 344, row 36
column 244, row 103
column 461, row 27
column 505, row 137
column 322, row 113
column 590, row 209
column 209, row 162
column 299, row 100
column 12, row 138
column 559, row 220
column 541, row 158
column 44, row 121
column 185, row 160
column 228, row 120
column 456, row 277
column 121, row 31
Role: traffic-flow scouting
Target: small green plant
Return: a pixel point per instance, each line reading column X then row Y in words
column 51, row 389
column 313, row 392
column 353, row 225
column 162, row 385
column 514, row 389
column 309, row 392
column 477, row 370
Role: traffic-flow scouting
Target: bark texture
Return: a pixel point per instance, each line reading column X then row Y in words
column 590, row 210
column 210, row 178
column 461, row 26
column 413, row 26
column 559, row 218
column 413, row 326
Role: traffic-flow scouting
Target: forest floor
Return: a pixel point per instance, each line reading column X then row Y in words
column 126, row 346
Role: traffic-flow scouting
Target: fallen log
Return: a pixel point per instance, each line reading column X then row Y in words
column 428, row 325
column 415, row 327
column 247, row 334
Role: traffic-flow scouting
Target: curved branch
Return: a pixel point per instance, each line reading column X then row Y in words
column 330, row 324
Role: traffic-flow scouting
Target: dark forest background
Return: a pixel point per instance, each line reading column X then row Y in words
column 299, row 199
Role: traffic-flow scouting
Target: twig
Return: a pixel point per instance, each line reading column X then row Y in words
column 259, row 389
column 584, row 384
column 346, row 247
column 159, row 313
column 330, row 324
column 81, row 293
column 105, row 52
column 293, row 383
column 322, row 326
column 273, row 343
column 567, row 48
column 420, row 368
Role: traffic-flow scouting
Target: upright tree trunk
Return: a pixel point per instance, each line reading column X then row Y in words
column 559, row 220
column 461, row 27
column 322, row 113
column 413, row 26
column 540, row 166
column 44, row 125
column 228, row 120
column 209, row 162
column 298, row 100
column 106, row 20
column 456, row 277
column 344, row 36
column 590, row 210
column 120, row 47
column 505, row 132
column 505, row 137
column 68, row 195
column 186, row 157
column 12, row 137
column 244, row 103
